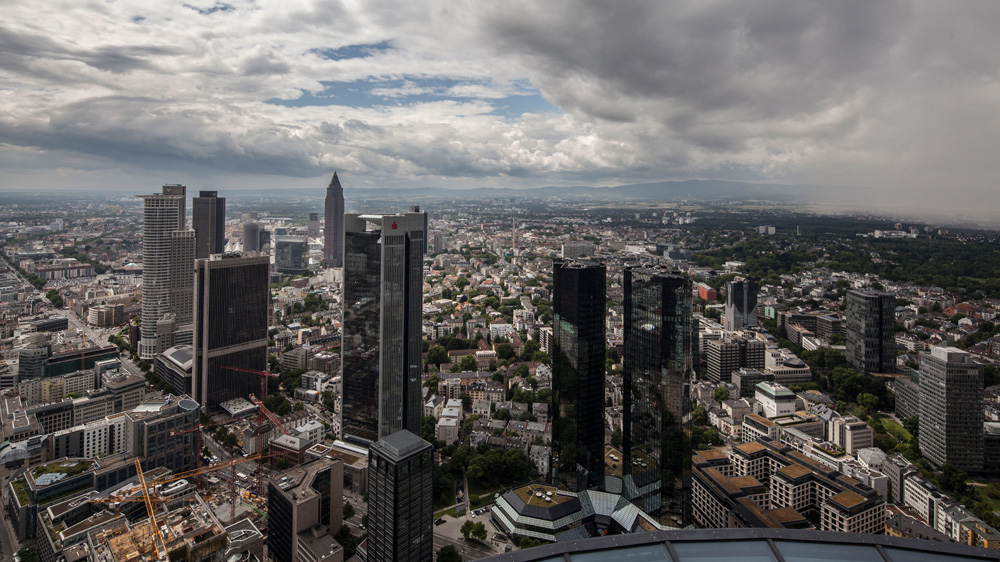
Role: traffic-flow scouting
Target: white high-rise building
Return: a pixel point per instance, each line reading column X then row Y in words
column 167, row 266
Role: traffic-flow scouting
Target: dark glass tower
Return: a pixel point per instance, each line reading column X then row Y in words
column 657, row 411
column 333, row 228
column 741, row 304
column 870, row 326
column 577, row 404
column 381, row 351
column 232, row 296
column 401, row 499
column 208, row 218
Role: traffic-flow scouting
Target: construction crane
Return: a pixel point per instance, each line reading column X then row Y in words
column 197, row 457
column 260, row 441
column 161, row 548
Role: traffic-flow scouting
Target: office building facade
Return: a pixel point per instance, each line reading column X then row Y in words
column 741, row 304
column 731, row 354
column 381, row 351
column 870, row 325
column 163, row 215
column 232, row 298
column 400, row 499
column 657, row 427
column 255, row 237
column 951, row 412
column 578, row 358
column 291, row 254
column 333, row 227
column 305, row 507
column 208, row 219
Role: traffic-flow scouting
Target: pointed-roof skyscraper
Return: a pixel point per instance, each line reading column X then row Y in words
column 333, row 228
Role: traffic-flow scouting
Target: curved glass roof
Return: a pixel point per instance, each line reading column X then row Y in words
column 749, row 545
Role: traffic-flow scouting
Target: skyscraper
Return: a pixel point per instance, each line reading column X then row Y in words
column 578, row 357
column 208, row 218
column 232, row 295
column 381, row 351
column 401, row 499
column 657, row 411
column 870, row 325
column 416, row 209
column 951, row 413
column 333, row 228
column 741, row 304
column 164, row 263
column 291, row 253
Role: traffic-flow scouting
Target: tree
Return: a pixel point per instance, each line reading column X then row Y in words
column 505, row 351
column 527, row 542
column 229, row 440
column 502, row 414
column 616, row 438
column 466, row 529
column 469, row 363
column 449, row 554
column 298, row 407
column 721, row 394
column 912, row 425
column 437, row 355
column 529, row 349
column 348, row 511
column 479, row 531
column 698, row 415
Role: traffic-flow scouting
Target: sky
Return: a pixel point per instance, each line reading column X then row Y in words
column 899, row 96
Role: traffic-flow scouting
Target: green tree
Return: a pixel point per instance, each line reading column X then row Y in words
column 298, row 407
column 912, row 424
column 527, row 542
column 466, row 529
column 449, row 553
column 502, row 414
column 348, row 511
column 616, row 438
column 469, row 363
column 529, row 349
column 479, row 531
column 437, row 355
column 698, row 415
column 505, row 351
column 229, row 440
column 721, row 394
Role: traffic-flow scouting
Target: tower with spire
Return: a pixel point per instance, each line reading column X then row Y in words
column 333, row 229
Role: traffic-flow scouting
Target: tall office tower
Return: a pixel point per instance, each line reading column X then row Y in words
column 305, row 510
column 312, row 227
column 232, row 295
column 416, row 209
column 381, row 350
column 401, row 499
column 741, row 304
column 951, row 413
column 731, row 354
column 333, row 227
column 208, row 218
column 255, row 237
column 163, row 214
column 182, row 251
column 870, row 325
column 291, row 253
column 657, row 426
column 577, row 403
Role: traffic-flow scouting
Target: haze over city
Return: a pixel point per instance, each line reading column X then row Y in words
column 898, row 98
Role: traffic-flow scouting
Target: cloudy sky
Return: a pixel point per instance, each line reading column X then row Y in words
column 264, row 94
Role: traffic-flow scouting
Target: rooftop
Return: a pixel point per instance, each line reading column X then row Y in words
column 541, row 495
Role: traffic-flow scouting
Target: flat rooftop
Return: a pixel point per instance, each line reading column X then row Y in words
column 540, row 495
column 751, row 447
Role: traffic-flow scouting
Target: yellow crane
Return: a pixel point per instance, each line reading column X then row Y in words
column 161, row 548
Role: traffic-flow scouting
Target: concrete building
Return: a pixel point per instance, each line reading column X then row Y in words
column 951, row 415
column 305, row 507
column 728, row 355
column 775, row 399
column 333, row 226
column 401, row 498
column 291, row 254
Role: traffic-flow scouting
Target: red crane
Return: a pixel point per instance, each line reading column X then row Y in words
column 197, row 456
column 264, row 375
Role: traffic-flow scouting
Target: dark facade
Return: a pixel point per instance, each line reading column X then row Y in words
column 577, row 404
column 255, row 237
column 208, row 218
column 305, row 510
column 870, row 324
column 78, row 359
column 657, row 427
column 152, row 439
column 726, row 356
column 232, row 297
column 400, row 499
column 951, row 413
column 291, row 253
column 381, row 351
column 741, row 304
column 333, row 227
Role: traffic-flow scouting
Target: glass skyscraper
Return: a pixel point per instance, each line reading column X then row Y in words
column 208, row 218
column 577, row 404
column 657, row 412
column 381, row 351
column 232, row 297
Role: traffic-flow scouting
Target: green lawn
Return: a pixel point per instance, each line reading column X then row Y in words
column 896, row 430
column 444, row 512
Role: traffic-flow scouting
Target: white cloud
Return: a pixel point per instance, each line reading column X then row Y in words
column 886, row 93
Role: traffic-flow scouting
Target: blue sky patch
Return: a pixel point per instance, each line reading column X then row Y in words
column 414, row 90
column 353, row 51
column 218, row 7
